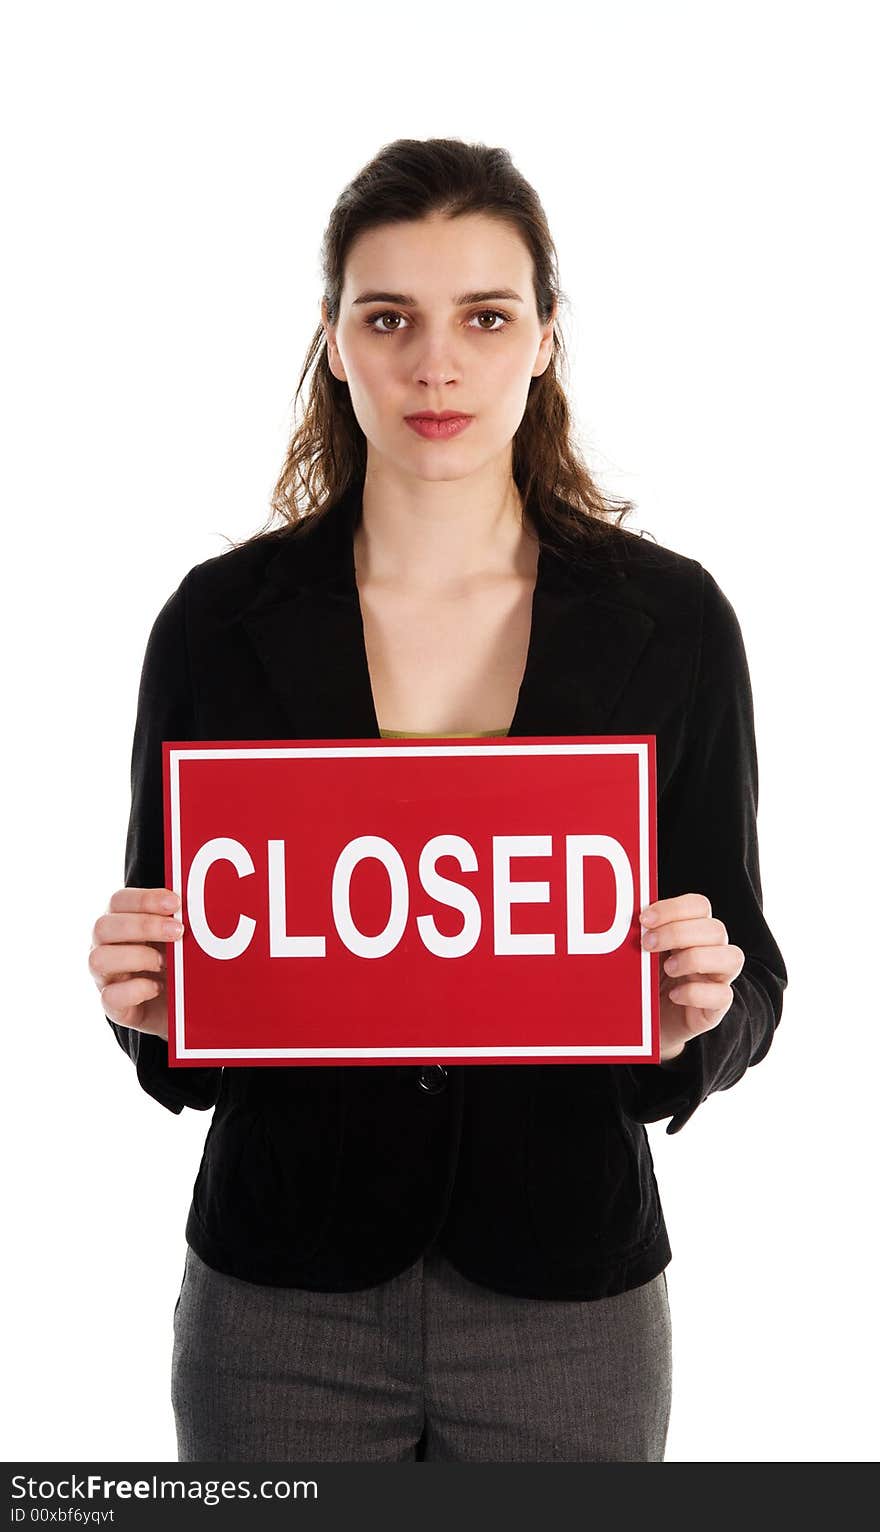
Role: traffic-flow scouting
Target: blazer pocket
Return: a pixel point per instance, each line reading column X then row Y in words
column 591, row 1190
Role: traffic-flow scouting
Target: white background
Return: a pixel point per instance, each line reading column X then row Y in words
column 707, row 175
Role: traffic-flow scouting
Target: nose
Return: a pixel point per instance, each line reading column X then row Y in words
column 435, row 365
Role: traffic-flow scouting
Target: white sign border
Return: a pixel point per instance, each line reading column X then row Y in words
column 322, row 752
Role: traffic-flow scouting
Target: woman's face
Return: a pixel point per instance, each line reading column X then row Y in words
column 420, row 348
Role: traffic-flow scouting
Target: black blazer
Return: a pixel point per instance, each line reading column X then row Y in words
column 538, row 1179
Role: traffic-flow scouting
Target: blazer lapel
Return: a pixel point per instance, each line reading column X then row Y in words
column 584, row 646
column 306, row 626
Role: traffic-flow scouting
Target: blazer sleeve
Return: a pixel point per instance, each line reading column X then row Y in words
column 165, row 710
column 708, row 843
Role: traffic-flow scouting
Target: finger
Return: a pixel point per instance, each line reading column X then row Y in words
column 702, row 994
column 132, row 927
column 685, row 933
column 155, row 901
column 722, row 963
column 120, row 994
column 681, row 907
column 113, row 959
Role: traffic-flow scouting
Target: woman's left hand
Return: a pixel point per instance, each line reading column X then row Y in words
column 695, row 981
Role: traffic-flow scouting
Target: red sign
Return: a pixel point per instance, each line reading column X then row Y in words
column 379, row 901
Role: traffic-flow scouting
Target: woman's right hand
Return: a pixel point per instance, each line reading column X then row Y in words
column 126, row 959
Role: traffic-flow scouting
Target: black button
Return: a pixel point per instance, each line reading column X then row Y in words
column 432, row 1078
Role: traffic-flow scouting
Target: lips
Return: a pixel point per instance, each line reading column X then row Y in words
column 438, row 427
column 443, row 415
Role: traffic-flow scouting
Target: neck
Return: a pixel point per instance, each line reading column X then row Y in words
column 448, row 536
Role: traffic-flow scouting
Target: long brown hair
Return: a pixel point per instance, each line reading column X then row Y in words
column 327, row 453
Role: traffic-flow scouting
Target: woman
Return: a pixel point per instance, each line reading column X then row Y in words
column 467, row 1263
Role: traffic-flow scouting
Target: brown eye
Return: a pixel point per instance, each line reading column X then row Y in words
column 373, row 322
column 491, row 314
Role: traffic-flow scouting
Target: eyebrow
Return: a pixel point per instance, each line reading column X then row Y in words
column 507, row 293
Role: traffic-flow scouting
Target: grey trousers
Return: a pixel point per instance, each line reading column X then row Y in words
column 425, row 1367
